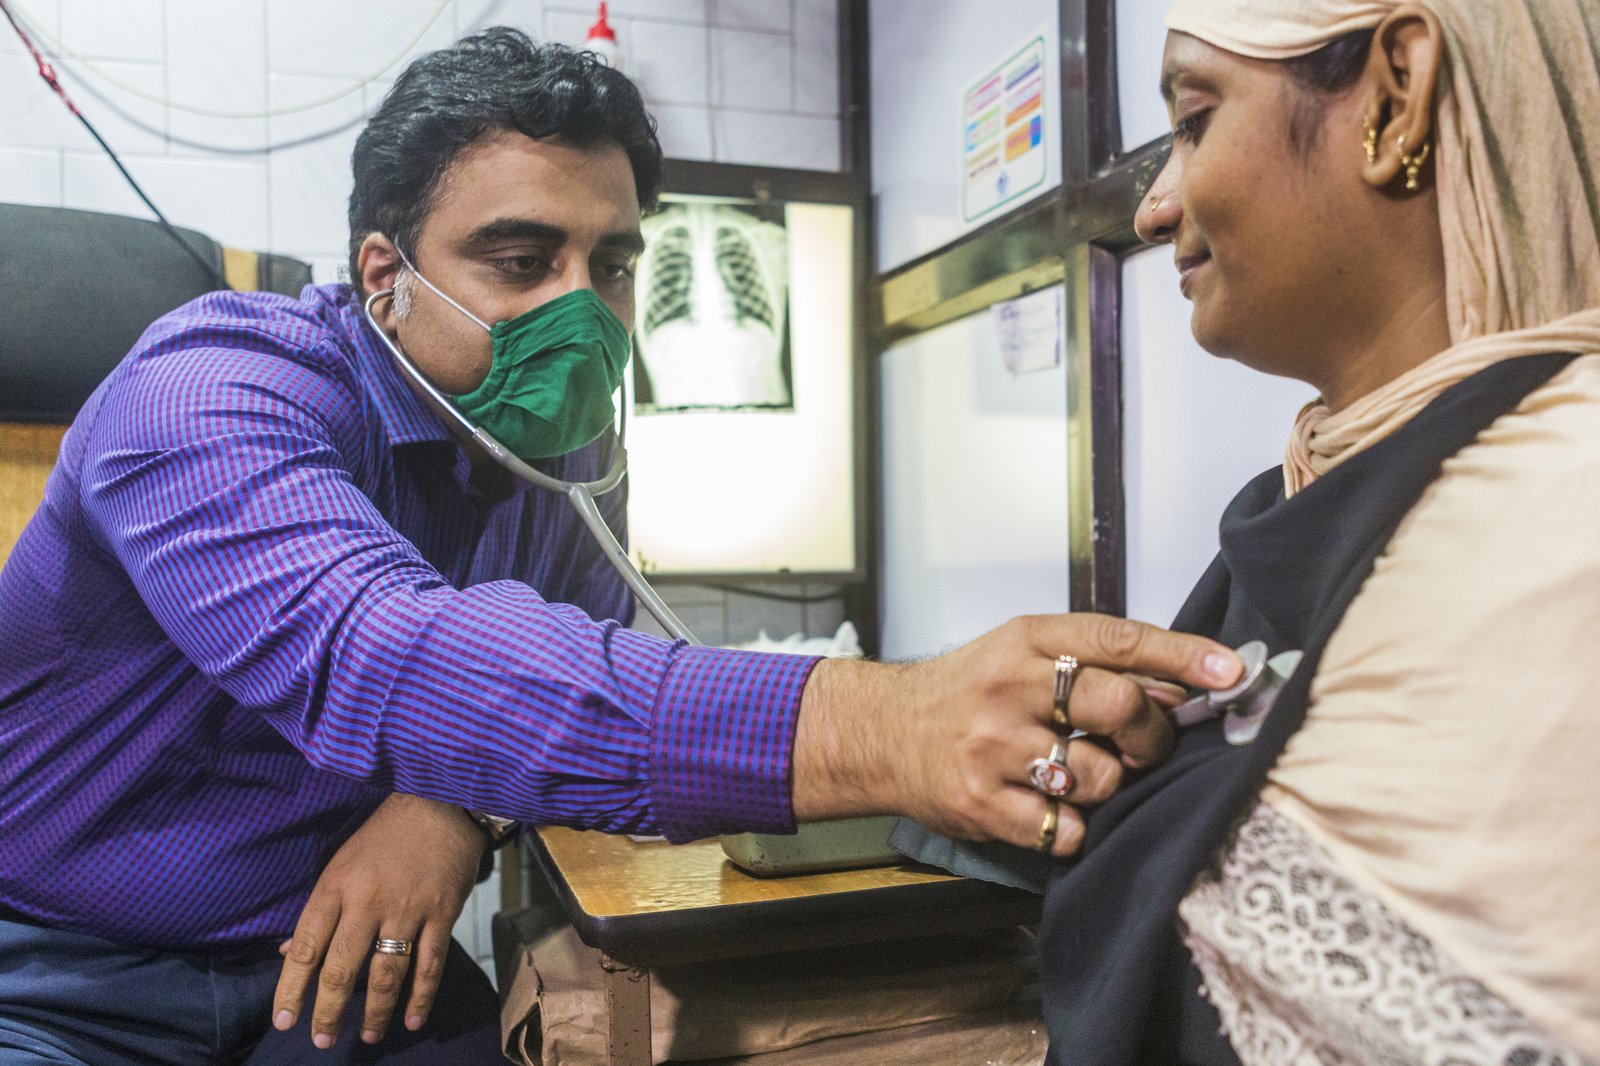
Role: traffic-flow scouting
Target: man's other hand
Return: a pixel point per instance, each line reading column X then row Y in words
column 404, row 875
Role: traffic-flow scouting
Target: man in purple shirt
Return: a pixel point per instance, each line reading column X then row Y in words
column 271, row 600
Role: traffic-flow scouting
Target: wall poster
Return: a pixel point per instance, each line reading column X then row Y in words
column 1004, row 131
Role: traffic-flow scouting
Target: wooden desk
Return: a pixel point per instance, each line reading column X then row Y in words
column 647, row 904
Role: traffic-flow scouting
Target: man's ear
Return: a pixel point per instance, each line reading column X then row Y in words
column 379, row 263
column 1401, row 79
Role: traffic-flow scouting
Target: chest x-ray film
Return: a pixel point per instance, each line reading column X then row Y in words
column 713, row 298
column 742, row 458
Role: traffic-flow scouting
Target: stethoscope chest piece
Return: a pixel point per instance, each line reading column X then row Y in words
column 1244, row 705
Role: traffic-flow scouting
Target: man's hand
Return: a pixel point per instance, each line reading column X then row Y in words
column 947, row 742
column 404, row 875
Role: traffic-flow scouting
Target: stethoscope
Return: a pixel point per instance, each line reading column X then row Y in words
column 580, row 494
column 1244, row 705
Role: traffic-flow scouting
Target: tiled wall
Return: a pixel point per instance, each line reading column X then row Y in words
column 741, row 81
column 716, row 616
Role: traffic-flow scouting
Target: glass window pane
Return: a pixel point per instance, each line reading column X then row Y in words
column 1196, row 429
column 974, row 500
column 1140, row 39
column 926, row 55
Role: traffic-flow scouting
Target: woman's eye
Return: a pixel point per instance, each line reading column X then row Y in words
column 1191, row 127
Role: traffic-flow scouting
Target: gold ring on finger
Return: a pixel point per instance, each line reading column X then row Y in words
column 1052, row 821
column 390, row 946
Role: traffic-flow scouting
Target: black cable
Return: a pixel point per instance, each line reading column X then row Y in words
column 48, row 72
column 781, row 597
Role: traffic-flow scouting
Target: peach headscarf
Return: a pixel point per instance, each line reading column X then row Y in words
column 1518, row 157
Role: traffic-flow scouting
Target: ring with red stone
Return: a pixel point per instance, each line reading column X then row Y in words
column 1049, row 776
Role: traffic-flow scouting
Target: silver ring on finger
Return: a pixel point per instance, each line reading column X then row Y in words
column 1049, row 776
column 1066, row 674
column 1052, row 822
column 391, row 946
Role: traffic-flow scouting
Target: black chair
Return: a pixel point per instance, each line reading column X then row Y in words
column 77, row 288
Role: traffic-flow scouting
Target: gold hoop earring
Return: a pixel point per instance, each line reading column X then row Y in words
column 1413, row 163
column 1369, row 139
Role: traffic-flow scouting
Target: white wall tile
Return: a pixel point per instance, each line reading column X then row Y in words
column 30, row 176
column 689, row 11
column 350, row 38
column 38, row 17
column 216, row 60
column 122, row 110
column 224, row 200
column 751, row 71
column 525, row 15
column 668, row 60
column 685, row 132
column 799, row 141
column 372, row 93
column 115, row 29
column 571, row 29
column 31, row 116
column 752, row 14
column 816, row 56
column 310, row 180
column 771, row 59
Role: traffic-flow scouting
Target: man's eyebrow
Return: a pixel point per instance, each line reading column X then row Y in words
column 527, row 229
column 511, row 229
column 631, row 242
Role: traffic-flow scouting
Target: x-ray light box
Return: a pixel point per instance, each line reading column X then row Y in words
column 741, row 421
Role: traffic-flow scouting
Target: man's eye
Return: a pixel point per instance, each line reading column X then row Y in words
column 520, row 265
column 616, row 271
column 1191, row 127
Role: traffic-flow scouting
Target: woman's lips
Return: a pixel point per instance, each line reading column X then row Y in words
column 1187, row 265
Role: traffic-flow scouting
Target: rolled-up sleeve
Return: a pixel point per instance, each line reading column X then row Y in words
column 227, row 480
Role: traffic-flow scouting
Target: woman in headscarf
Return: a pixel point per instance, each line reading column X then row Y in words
column 1398, row 203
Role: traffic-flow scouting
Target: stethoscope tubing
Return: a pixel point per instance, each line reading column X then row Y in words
column 580, row 494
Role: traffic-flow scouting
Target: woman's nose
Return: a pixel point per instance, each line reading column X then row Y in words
column 1156, row 220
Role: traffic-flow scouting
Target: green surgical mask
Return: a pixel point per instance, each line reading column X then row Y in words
column 554, row 371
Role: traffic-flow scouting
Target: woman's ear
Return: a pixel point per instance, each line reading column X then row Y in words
column 1401, row 78
column 379, row 262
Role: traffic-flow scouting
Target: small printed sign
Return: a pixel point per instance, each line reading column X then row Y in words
column 1003, row 138
column 1030, row 330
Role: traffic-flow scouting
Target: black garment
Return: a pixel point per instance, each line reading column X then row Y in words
column 1120, row 987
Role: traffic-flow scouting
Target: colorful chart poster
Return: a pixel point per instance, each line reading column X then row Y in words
column 1003, row 124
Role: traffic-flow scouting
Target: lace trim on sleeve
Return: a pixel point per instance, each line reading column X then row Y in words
column 1308, row 970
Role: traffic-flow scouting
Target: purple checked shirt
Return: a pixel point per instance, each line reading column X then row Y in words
column 262, row 593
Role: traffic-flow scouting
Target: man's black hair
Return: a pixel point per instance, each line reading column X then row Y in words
column 498, row 79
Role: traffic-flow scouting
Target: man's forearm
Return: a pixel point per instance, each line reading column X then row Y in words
column 839, row 739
